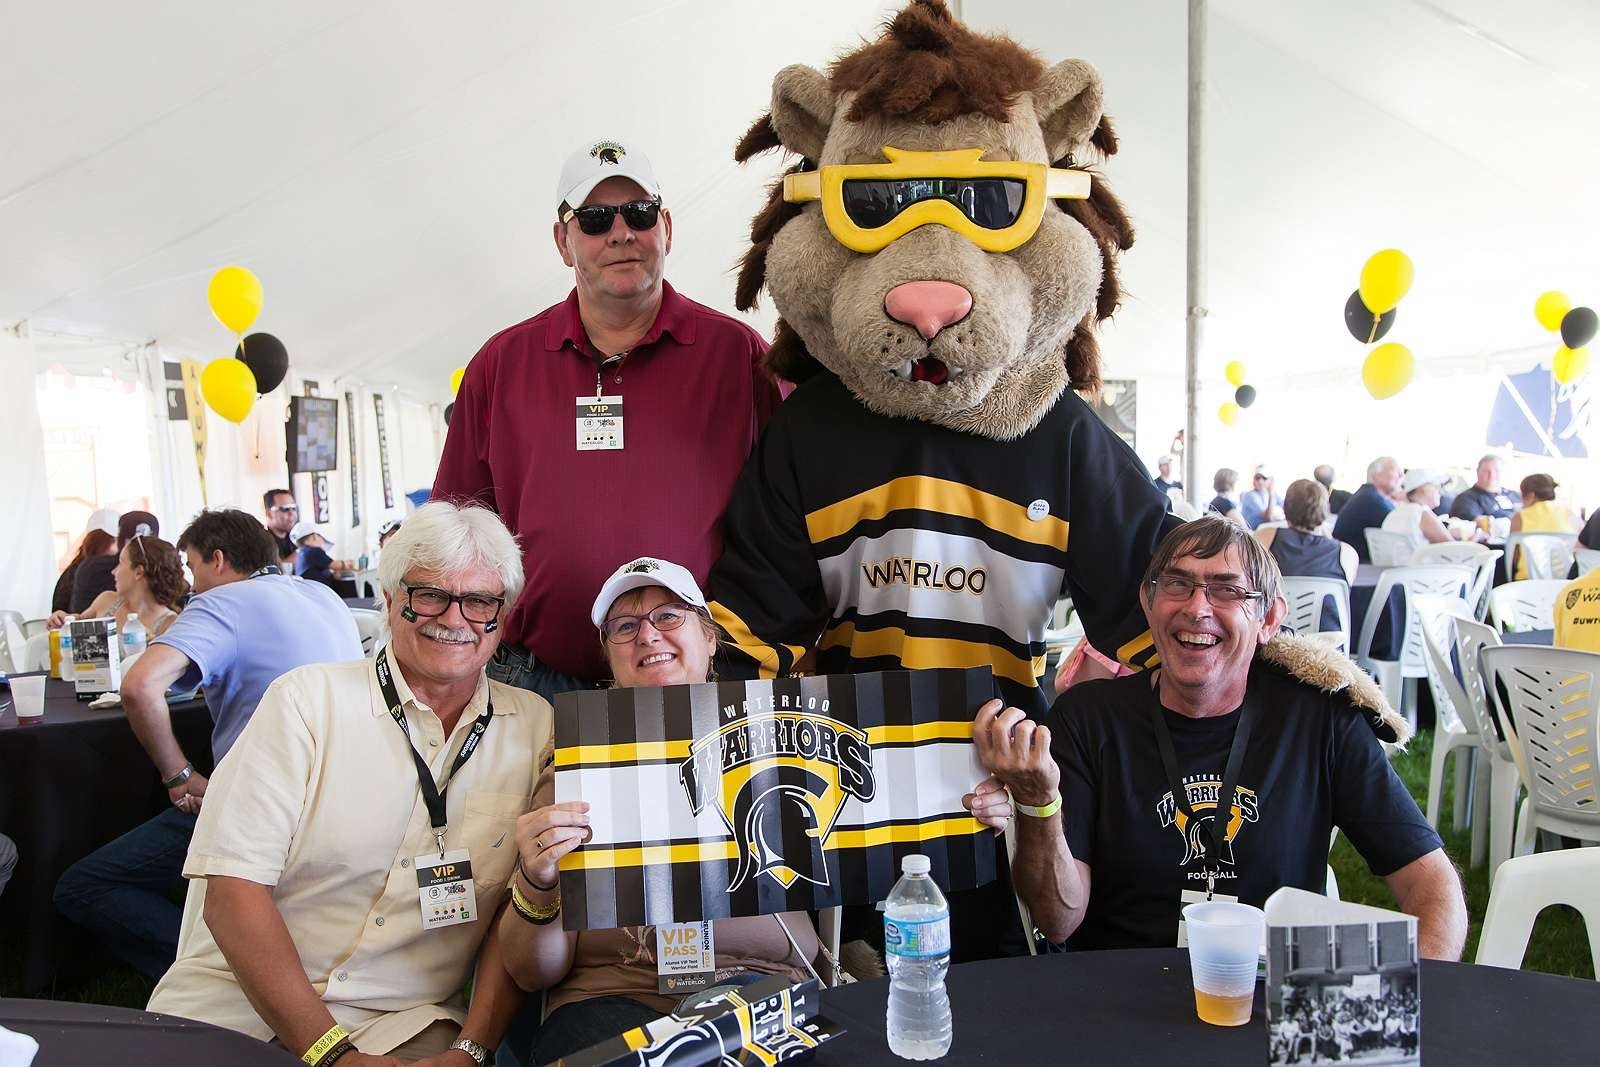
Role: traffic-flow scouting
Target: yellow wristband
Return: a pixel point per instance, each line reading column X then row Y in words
column 534, row 913
column 324, row 1044
column 1038, row 813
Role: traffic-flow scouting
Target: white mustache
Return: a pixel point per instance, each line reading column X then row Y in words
column 445, row 633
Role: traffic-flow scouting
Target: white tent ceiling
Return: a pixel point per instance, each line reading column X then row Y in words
column 387, row 168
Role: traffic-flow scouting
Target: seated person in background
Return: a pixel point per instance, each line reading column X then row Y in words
column 1590, row 535
column 94, row 573
column 282, row 514
column 1577, row 611
column 247, row 623
column 149, row 583
column 387, row 530
column 1487, row 497
column 1415, row 517
column 99, row 539
column 1540, row 514
column 1124, row 776
column 1223, row 503
column 1164, row 479
column 1369, row 505
column 1260, row 503
column 1336, row 497
column 312, row 561
column 1300, row 550
column 303, row 921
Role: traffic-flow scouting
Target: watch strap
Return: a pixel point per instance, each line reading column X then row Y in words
column 479, row 1053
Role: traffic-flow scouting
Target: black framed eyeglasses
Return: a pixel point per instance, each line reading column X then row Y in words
column 595, row 219
column 430, row 602
column 1177, row 587
column 620, row 629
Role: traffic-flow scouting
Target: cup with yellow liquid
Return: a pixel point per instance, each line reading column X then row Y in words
column 1224, row 948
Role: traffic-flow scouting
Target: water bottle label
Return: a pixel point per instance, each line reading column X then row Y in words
column 916, row 937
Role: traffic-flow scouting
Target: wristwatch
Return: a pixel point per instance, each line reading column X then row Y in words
column 479, row 1054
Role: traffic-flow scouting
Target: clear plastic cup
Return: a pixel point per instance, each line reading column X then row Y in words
column 1224, row 948
column 27, row 691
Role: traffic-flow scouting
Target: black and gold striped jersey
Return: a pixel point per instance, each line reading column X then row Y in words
column 885, row 543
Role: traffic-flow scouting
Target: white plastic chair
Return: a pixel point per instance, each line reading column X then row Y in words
column 369, row 624
column 1525, row 605
column 36, row 657
column 1505, row 780
column 1306, row 596
column 1389, row 549
column 1527, row 885
column 13, row 644
column 1587, row 558
column 1551, row 719
column 1398, row 677
column 1482, row 582
column 1465, row 552
column 1456, row 730
column 1549, row 554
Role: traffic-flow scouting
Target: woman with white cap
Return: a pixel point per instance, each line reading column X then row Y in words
column 1414, row 516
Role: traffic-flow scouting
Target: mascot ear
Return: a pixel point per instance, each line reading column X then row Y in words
column 1067, row 102
column 802, row 109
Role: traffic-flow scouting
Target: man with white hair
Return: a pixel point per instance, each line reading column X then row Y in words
column 356, row 846
column 1369, row 505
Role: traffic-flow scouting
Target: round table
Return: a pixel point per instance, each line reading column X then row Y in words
column 93, row 1035
column 70, row 782
column 1137, row 1007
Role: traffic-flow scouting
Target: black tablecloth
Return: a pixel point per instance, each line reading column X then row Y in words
column 1137, row 1007
column 90, row 1035
column 69, row 783
column 1529, row 637
column 1386, row 638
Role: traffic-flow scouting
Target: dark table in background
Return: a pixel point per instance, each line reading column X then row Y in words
column 1386, row 638
column 90, row 1035
column 1137, row 1007
column 69, row 783
column 1529, row 637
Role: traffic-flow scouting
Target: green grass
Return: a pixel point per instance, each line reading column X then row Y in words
column 1559, row 944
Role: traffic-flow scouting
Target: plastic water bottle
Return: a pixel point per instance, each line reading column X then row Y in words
column 916, row 941
column 66, row 647
column 134, row 636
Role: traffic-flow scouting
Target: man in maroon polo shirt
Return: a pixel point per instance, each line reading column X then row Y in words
column 610, row 426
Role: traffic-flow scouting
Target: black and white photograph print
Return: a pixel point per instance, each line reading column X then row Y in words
column 1343, row 994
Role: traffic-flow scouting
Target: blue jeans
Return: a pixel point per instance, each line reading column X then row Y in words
column 125, row 892
column 515, row 666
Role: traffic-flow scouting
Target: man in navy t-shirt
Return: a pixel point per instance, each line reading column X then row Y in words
column 1487, row 497
column 1118, row 790
column 1369, row 505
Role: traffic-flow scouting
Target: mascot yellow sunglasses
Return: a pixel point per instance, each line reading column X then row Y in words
column 997, row 205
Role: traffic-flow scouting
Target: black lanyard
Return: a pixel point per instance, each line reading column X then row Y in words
column 1210, row 843
column 432, row 795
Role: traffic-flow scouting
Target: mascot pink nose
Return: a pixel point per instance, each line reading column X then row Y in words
column 928, row 306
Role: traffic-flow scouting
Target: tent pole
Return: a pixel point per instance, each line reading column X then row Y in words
column 1195, row 292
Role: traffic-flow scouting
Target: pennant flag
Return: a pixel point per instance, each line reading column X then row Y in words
column 748, row 798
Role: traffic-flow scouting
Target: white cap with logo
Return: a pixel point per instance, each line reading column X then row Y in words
column 596, row 161
column 640, row 573
column 305, row 528
column 1417, row 477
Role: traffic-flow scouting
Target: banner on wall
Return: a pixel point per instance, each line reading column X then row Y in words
column 355, row 472
column 177, row 400
column 195, row 407
column 319, row 480
column 383, row 450
column 1533, row 413
column 749, row 798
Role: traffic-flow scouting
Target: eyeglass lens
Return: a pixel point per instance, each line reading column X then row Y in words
column 595, row 219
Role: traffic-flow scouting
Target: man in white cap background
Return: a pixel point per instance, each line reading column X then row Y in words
column 1261, row 503
column 614, row 422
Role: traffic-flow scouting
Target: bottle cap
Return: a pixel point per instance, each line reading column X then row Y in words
column 915, row 863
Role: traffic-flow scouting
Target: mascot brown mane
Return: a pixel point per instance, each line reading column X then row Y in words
column 927, row 83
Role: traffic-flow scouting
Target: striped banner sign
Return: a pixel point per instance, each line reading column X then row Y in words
column 747, row 798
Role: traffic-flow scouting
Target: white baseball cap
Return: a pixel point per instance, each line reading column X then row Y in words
column 1417, row 477
column 104, row 519
column 596, row 161
column 305, row 528
column 642, row 573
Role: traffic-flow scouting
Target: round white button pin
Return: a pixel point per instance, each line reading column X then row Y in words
column 1038, row 510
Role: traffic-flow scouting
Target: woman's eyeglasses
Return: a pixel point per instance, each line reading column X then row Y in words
column 595, row 219
column 620, row 629
column 431, row 602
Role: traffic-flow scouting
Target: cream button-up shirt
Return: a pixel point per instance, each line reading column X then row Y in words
column 319, row 800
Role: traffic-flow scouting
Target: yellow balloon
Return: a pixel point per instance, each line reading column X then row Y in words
column 1388, row 370
column 1570, row 364
column 235, row 298
column 1551, row 308
column 1235, row 373
column 229, row 386
column 1385, row 279
column 455, row 380
column 1228, row 413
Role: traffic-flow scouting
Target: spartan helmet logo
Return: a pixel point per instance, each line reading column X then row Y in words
column 608, row 152
column 1195, row 832
column 1572, row 599
column 780, row 782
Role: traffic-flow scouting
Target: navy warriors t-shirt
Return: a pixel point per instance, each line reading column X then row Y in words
column 1312, row 763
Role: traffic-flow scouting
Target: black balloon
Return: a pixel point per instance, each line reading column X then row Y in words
column 449, row 409
column 1579, row 327
column 267, row 359
column 1245, row 395
column 1358, row 320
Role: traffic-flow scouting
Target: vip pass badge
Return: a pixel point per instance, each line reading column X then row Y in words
column 445, row 889
column 599, row 423
column 686, row 957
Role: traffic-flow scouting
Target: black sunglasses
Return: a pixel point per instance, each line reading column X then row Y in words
column 595, row 219
column 993, row 203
